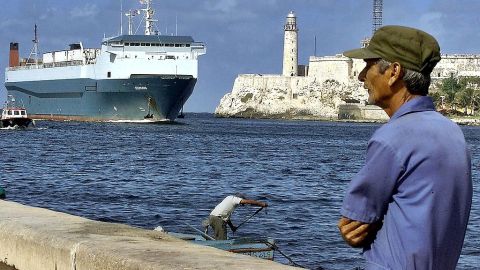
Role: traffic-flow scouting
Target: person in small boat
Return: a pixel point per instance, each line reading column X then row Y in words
column 408, row 207
column 220, row 215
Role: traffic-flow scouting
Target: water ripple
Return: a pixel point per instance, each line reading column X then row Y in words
column 150, row 175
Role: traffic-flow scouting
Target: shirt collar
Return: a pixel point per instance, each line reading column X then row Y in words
column 418, row 104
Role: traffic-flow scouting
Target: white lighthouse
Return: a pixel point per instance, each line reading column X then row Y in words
column 290, row 46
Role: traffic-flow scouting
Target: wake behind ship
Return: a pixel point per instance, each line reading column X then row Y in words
column 131, row 77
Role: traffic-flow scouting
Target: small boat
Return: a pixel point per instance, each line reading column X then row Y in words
column 14, row 115
column 256, row 247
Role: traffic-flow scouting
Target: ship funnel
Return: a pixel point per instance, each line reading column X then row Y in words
column 14, row 57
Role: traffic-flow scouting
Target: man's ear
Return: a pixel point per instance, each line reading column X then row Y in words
column 396, row 73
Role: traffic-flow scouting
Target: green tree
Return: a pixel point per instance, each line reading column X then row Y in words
column 464, row 98
column 471, row 95
column 474, row 101
column 450, row 86
column 437, row 99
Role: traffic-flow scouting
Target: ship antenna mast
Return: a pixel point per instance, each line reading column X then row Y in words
column 121, row 17
column 149, row 21
column 130, row 14
column 34, row 51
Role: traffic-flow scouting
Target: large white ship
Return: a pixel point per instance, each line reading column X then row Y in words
column 131, row 77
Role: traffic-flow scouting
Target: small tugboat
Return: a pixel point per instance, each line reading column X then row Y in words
column 14, row 115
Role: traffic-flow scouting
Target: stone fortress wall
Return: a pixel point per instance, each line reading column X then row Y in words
column 344, row 69
column 329, row 90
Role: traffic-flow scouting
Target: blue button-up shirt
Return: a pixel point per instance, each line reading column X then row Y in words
column 417, row 179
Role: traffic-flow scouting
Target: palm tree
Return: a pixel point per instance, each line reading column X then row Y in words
column 450, row 87
column 464, row 98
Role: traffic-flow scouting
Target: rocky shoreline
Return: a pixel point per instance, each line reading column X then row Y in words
column 466, row 121
column 299, row 117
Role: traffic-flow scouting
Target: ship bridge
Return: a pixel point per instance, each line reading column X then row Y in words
column 169, row 46
column 154, row 41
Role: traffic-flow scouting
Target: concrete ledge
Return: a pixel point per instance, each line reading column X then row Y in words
column 36, row 238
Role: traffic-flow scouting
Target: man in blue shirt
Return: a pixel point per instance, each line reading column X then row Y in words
column 409, row 205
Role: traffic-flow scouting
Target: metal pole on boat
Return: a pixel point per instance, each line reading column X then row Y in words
column 202, row 233
column 247, row 219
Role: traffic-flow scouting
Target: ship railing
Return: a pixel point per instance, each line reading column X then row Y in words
column 198, row 45
column 26, row 67
column 51, row 65
column 64, row 64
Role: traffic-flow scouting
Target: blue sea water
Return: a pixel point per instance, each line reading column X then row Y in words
column 150, row 175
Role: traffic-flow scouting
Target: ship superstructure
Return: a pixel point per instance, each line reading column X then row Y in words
column 131, row 77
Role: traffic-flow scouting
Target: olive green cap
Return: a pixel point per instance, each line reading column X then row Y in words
column 412, row 48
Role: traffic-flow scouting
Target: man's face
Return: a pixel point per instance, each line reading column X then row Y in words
column 376, row 84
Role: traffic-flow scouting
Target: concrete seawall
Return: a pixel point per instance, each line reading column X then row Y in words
column 37, row 239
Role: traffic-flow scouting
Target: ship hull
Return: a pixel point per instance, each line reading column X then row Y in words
column 20, row 122
column 152, row 97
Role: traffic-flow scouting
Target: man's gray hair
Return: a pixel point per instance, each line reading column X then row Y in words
column 417, row 83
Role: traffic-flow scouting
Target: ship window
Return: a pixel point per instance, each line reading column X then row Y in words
column 147, row 44
column 16, row 112
column 22, row 112
column 109, row 74
column 161, row 45
column 188, row 45
column 177, row 45
column 10, row 113
column 127, row 44
column 142, row 44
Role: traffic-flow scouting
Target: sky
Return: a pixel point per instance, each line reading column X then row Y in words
column 242, row 36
